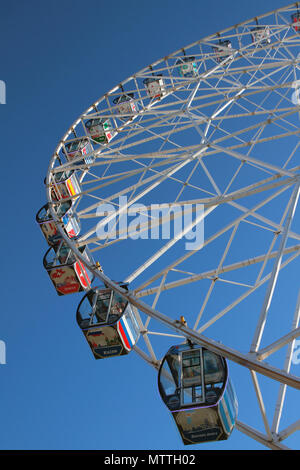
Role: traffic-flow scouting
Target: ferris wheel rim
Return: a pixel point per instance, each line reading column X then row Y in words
column 116, row 87
column 254, row 364
column 76, row 122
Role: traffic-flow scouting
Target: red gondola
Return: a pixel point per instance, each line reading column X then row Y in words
column 68, row 274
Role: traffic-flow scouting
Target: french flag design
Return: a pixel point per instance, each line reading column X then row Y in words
column 125, row 333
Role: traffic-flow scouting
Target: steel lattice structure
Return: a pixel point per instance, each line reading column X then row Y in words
column 225, row 137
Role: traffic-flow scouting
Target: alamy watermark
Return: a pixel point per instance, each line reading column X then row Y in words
column 296, row 353
column 296, row 85
column 2, row 352
column 2, row 101
column 157, row 221
column 2, row 92
column 296, row 95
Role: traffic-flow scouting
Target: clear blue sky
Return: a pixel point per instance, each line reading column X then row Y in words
column 56, row 58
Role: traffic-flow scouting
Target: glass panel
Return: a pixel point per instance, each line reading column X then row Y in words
column 72, row 146
column 65, row 255
column 49, row 259
column 191, row 368
column 167, row 386
column 102, row 306
column 62, row 175
column 214, row 369
column 63, row 208
column 93, row 122
column 76, row 223
column 89, row 311
column 43, row 214
column 118, row 304
column 86, row 308
column 87, row 255
column 192, row 395
column 174, row 364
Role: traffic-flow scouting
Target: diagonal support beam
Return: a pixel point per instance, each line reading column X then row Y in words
column 274, row 276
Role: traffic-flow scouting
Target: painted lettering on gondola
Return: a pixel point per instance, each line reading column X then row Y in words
column 105, row 342
column 108, row 351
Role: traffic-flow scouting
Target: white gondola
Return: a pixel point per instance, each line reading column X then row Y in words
column 65, row 185
column 126, row 105
column 100, row 130
column 261, row 35
column 155, row 87
column 79, row 148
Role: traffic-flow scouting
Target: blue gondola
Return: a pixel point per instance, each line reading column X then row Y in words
column 107, row 322
column 79, row 148
column 195, row 386
column 187, row 67
column 68, row 217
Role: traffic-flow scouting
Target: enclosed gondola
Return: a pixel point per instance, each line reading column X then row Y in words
column 65, row 186
column 126, row 106
column 107, row 322
column 155, row 86
column 261, row 35
column 296, row 21
column 195, row 386
column 68, row 217
column 223, row 51
column 79, row 148
column 68, row 274
column 100, row 130
column 187, row 66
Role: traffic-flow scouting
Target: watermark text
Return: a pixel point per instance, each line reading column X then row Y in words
column 2, row 352
column 157, row 221
column 2, row 92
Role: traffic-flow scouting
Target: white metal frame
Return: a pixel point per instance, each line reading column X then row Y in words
column 236, row 109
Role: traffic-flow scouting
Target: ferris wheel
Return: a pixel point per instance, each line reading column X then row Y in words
column 172, row 202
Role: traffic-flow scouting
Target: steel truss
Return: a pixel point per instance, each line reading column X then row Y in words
column 226, row 137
